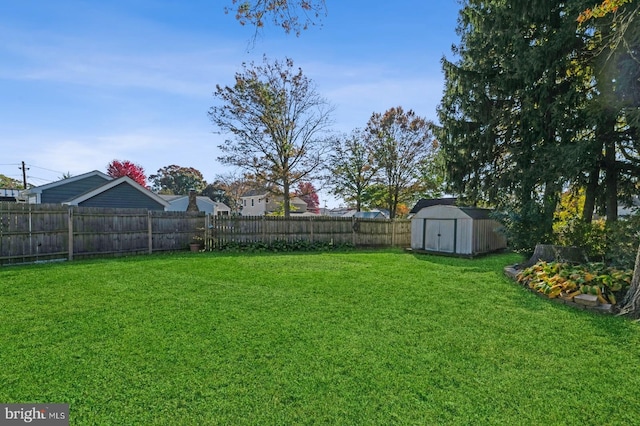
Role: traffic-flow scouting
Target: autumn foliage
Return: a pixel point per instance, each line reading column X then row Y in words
column 117, row 169
column 307, row 193
column 600, row 10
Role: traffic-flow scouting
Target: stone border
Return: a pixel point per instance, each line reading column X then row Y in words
column 512, row 272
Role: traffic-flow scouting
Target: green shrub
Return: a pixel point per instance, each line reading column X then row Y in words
column 524, row 228
column 282, row 246
column 622, row 239
column 612, row 243
column 591, row 237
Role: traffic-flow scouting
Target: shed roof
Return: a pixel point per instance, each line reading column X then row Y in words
column 451, row 212
column 477, row 213
column 428, row 202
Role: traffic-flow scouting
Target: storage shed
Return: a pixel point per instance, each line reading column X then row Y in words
column 457, row 230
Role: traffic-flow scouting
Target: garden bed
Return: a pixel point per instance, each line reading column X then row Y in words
column 591, row 286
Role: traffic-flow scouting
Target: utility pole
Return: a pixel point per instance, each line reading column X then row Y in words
column 24, row 175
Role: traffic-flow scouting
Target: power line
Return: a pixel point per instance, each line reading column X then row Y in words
column 46, row 180
column 43, row 168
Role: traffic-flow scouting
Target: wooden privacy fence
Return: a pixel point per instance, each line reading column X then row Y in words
column 337, row 230
column 39, row 232
column 34, row 232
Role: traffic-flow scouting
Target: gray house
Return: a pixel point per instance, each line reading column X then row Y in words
column 179, row 203
column 456, row 230
column 9, row 195
column 96, row 189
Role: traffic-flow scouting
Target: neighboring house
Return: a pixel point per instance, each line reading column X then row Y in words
column 9, row 195
column 629, row 210
column 335, row 212
column 373, row 214
column 261, row 202
column 179, row 203
column 66, row 189
column 96, row 189
column 347, row 212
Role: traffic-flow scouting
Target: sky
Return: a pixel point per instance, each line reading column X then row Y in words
column 84, row 82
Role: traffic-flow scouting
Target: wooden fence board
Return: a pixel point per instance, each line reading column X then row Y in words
column 33, row 232
column 359, row 232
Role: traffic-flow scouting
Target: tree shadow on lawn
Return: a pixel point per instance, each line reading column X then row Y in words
column 486, row 263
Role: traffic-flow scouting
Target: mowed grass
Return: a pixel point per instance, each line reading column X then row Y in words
column 382, row 337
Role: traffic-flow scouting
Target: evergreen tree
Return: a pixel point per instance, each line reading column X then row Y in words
column 511, row 113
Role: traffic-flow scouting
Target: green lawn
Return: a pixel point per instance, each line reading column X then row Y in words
column 334, row 338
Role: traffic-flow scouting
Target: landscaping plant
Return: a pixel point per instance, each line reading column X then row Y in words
column 557, row 279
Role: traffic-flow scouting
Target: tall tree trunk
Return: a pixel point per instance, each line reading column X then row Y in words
column 550, row 201
column 605, row 132
column 590, row 194
column 611, row 181
column 631, row 301
column 286, row 198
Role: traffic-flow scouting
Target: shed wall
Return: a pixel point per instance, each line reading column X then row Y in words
column 465, row 236
column 417, row 229
column 487, row 238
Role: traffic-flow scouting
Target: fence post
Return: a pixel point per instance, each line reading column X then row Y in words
column 70, row 215
column 353, row 230
column 207, row 231
column 150, row 231
column 393, row 232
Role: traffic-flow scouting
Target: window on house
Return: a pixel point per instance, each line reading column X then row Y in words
column 252, row 202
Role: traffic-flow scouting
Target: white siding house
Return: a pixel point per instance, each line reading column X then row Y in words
column 259, row 203
column 456, row 230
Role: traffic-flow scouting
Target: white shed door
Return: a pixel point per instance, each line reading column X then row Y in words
column 440, row 235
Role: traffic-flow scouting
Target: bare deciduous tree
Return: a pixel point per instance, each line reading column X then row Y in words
column 292, row 15
column 277, row 120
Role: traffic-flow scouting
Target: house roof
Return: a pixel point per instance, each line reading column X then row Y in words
column 369, row 215
column 200, row 198
column 428, row 202
column 373, row 214
column 113, row 183
column 171, row 198
column 39, row 189
column 174, row 198
column 254, row 192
